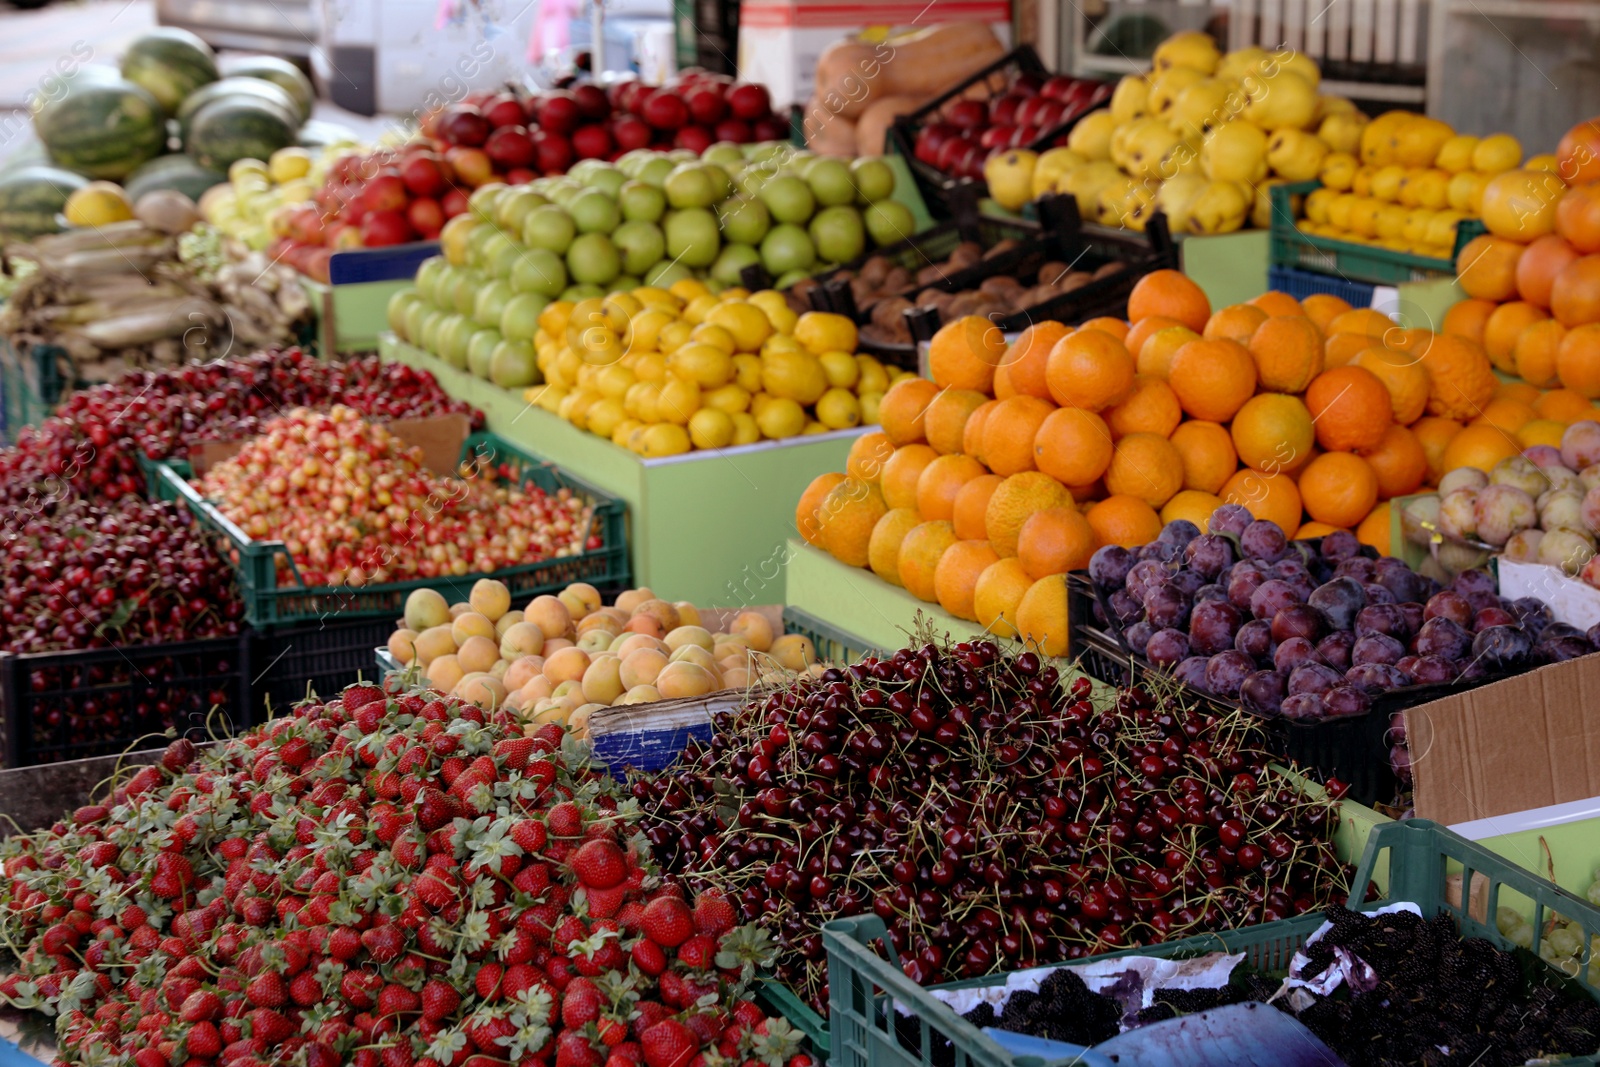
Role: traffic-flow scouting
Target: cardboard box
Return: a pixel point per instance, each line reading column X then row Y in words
column 1525, row 742
column 1571, row 601
column 780, row 42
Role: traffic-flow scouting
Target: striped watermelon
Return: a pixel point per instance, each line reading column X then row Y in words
column 176, row 172
column 171, row 63
column 256, row 88
column 281, row 72
column 32, row 197
column 104, row 126
column 237, row 127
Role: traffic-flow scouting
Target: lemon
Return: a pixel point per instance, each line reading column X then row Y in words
column 605, row 415
column 781, row 343
column 287, row 164
column 874, row 378
column 710, row 428
column 747, row 372
column 733, row 292
column 731, row 398
column 1545, row 161
column 625, row 305
column 838, row 409
column 841, row 369
column 644, row 329
column 620, row 434
column 672, row 335
column 642, row 400
column 98, row 204
column 553, row 319
column 1364, row 216
column 745, row 430
column 1417, row 221
column 1455, row 155
column 1465, row 191
column 1496, row 153
column 1361, row 184
column 869, row 402
column 823, row 331
column 1386, row 182
column 635, row 441
column 1391, row 221
column 701, row 363
column 614, row 381
column 780, row 418
column 664, row 439
column 243, row 168
column 716, row 336
column 688, row 289
column 694, row 312
column 1338, row 171
column 599, row 347
column 576, row 405
column 747, row 324
column 813, row 428
column 777, row 309
column 650, row 367
column 758, row 402
column 793, row 376
column 679, row 399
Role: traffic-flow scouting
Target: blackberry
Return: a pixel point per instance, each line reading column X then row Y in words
column 1155, row 1013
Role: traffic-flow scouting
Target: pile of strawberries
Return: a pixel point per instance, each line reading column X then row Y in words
column 386, row 880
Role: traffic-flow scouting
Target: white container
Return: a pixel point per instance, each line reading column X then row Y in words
column 1571, row 601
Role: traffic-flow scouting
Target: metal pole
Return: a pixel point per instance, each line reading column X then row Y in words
column 597, row 29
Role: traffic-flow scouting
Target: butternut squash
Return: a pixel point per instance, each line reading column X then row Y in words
column 875, row 121
column 848, row 73
column 828, row 134
column 931, row 60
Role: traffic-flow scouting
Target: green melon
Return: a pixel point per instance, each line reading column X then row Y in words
column 103, row 126
column 255, row 88
column 171, row 63
column 176, row 172
column 237, row 127
column 32, row 197
column 280, row 72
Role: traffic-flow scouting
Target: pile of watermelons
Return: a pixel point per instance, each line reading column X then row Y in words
column 168, row 119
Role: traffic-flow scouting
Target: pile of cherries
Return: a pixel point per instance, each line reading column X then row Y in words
column 993, row 817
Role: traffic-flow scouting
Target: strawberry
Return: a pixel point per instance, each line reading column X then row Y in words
column 305, row 990
column 669, row 1044
column 580, row 1003
column 344, row 943
column 436, row 887
column 672, row 988
column 565, row 819
column 433, row 809
column 698, row 952
column 529, row 835
column 269, row 1026
column 383, row 943
column 200, row 1006
column 574, row 1050
column 612, row 1032
column 357, row 697
column 606, row 903
column 397, row 1000
column 714, row 914
column 178, row 755
column 399, row 1054
column 487, row 980
column 649, row 957
column 514, row 752
column 204, row 1042
column 487, row 1027
column 748, row 1013
column 439, row 1000
column 267, row 990
column 668, row 922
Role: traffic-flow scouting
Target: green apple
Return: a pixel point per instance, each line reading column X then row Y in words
column 889, row 221
column 427, row 332
column 874, row 179
column 582, row 291
column 838, row 234
column 444, row 285
column 732, row 261
column 752, row 180
column 491, row 302
column 564, row 191
column 786, row 248
column 656, row 170
column 725, row 153
column 721, row 181
column 830, row 182
column 593, row 259
column 682, row 155
column 632, row 162
column 788, row 198
column 481, row 202
column 605, row 177
column 476, row 238
column 479, row 348
column 520, row 320
column 785, row 280
column 465, row 293
column 689, row 186
column 594, row 211
column 626, row 283
column 428, row 272
column 513, row 207
column 539, row 270
column 641, row 244
column 549, row 227
column 395, row 312
column 666, row 272
column 745, row 219
column 692, row 237
column 454, row 334
column 513, row 365
column 500, row 254
column 416, row 316
column 642, row 201
column 580, row 171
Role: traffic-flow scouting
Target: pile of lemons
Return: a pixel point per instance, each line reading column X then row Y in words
column 666, row 371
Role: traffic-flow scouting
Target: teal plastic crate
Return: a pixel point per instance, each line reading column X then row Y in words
column 269, row 604
column 1346, row 259
column 1414, row 860
column 33, row 379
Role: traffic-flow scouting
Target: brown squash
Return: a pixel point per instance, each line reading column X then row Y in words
column 929, row 61
column 828, row 134
column 875, row 121
column 848, row 76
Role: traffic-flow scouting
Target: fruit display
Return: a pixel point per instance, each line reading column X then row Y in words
column 354, row 505
column 992, row 815
column 473, row 900
column 259, row 199
column 562, row 657
column 1310, row 633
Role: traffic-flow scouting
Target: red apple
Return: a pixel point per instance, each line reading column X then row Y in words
column 995, row 136
column 520, row 175
column 346, row 168
column 454, row 203
column 316, row 264
column 970, row 165
column 591, row 101
column 735, row 130
column 770, row 127
column 749, row 101
column 630, row 132
column 387, row 192
column 1058, row 87
column 705, row 103
column 463, row 124
column 591, row 142
column 558, row 113
column 665, row 110
column 472, row 165
column 1027, row 84
column 423, row 175
column 968, row 114
column 382, row 228
column 307, row 225
column 617, row 92
column 930, row 139
column 950, row 152
column 631, row 95
column 553, row 152
column 342, row 235
column 695, row 138
column 1024, row 135
column 510, row 146
column 426, row 216
column 504, row 110
column 1003, row 109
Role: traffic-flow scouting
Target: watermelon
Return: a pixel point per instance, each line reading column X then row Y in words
column 281, row 72
column 103, row 126
column 176, row 172
column 32, row 197
column 171, row 63
column 254, row 88
column 237, row 127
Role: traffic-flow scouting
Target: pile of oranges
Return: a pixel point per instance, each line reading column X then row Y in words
column 986, row 484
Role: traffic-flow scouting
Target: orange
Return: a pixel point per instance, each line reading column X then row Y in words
column 1467, row 318
column 1322, row 309
column 941, row 481
column 1152, row 407
column 1146, row 466
column 945, row 421
column 1054, row 541
column 1535, row 353
column 1399, row 463
column 1340, row 348
column 1578, row 218
column 1008, row 433
column 1575, row 296
column 1155, row 355
column 919, row 557
column 868, row 454
column 1123, row 520
column 1141, row 331
column 1016, row 498
column 1521, row 204
column 903, row 409
column 1275, row 304
column 1073, row 446
column 1403, row 375
column 972, row 432
column 1564, row 405
column 883, row 548
column 1314, row 529
column 1108, row 324
column 1539, row 265
column 1407, row 340
column 972, row 503
column 1480, row 446
column 1042, row 616
column 1213, row 379
column 1434, row 434
column 998, row 594
column 1504, row 327
column 1191, row 504
column 955, row 579
column 1272, row 430
column 1236, row 322
column 807, row 521
column 1351, row 408
column 1578, row 360
column 1208, row 456
column 1374, row 529
column 1522, row 392
column 1023, row 368
column 1272, row 497
column 1171, row 294
column 1089, row 369
column 1461, row 377
column 1508, row 415
column 1487, row 267
column 901, row 472
column 846, row 516
column 1366, row 321
column 1541, row 432
column 963, row 354
column 1287, row 352
column 1578, row 153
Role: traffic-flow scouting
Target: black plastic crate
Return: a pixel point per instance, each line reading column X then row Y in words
column 320, row 657
column 93, row 702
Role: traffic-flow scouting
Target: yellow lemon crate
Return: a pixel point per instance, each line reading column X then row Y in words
column 1293, row 247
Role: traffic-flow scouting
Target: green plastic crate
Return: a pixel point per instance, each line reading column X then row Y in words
column 1417, row 856
column 268, row 604
column 833, row 645
column 33, row 379
column 1346, row 259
